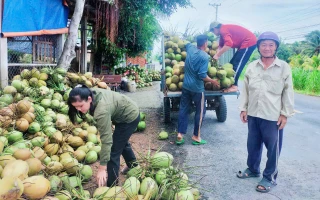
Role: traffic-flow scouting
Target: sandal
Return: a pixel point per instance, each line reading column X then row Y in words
column 199, row 143
column 230, row 89
column 180, row 142
column 247, row 174
column 268, row 185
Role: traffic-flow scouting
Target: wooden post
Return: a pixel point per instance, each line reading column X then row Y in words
column 3, row 55
column 83, row 58
column 60, row 43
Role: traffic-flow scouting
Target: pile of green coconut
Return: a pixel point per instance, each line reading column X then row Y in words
column 45, row 156
column 175, row 56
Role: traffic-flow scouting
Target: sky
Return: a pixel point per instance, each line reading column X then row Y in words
column 290, row 19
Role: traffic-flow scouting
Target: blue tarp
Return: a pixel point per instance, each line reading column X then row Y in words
column 34, row 17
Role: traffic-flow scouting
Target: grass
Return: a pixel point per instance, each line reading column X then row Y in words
column 306, row 82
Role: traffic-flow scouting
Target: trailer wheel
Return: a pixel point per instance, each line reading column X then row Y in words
column 221, row 110
column 166, row 109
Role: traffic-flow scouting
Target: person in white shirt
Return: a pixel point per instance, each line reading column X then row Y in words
column 266, row 101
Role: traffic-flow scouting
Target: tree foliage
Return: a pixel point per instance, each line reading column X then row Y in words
column 138, row 25
column 312, row 43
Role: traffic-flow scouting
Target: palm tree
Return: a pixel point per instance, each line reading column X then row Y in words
column 296, row 47
column 312, row 43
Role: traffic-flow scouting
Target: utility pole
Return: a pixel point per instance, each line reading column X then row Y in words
column 216, row 6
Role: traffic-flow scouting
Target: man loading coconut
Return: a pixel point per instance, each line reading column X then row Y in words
column 196, row 67
column 234, row 36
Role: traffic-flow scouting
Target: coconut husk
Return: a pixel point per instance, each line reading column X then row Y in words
column 16, row 168
column 35, row 166
column 36, row 187
column 22, row 125
column 11, row 188
column 103, row 85
column 22, row 154
column 54, row 167
column 5, row 121
column 29, row 116
column 39, row 153
column 51, row 149
column 75, row 141
column 23, row 106
column 57, row 137
column 7, row 111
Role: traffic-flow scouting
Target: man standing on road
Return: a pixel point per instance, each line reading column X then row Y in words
column 234, row 36
column 196, row 67
column 266, row 101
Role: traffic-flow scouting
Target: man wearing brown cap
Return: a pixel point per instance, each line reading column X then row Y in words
column 234, row 36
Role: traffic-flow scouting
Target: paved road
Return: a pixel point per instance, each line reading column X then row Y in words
column 225, row 154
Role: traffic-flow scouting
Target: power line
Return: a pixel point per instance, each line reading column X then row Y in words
column 294, row 38
column 298, row 28
column 299, row 18
column 235, row 3
column 297, row 33
column 295, row 13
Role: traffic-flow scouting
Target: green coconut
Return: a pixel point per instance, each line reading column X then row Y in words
column 184, row 195
column 173, row 87
column 221, row 74
column 6, row 98
column 131, row 186
column 161, row 175
column 33, row 82
column 141, row 126
column 86, row 172
column 91, row 157
column 18, row 85
column 175, row 79
column 25, row 74
column 230, row 72
column 10, row 90
column 161, row 160
column 148, row 184
column 225, row 83
column 55, row 183
column 163, row 135
column 212, row 72
column 34, row 127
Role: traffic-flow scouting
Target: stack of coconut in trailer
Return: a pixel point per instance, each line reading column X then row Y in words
column 175, row 56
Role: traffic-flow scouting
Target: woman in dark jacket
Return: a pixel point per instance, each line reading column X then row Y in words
column 108, row 107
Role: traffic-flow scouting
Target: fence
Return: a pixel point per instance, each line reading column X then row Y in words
column 226, row 57
column 27, row 52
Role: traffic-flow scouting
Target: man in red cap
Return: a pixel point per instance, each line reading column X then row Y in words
column 234, row 36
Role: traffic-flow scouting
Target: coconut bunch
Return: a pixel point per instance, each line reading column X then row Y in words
column 155, row 75
column 224, row 75
column 41, row 151
column 50, row 154
column 175, row 55
column 87, row 79
column 153, row 178
column 33, row 85
column 174, row 61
